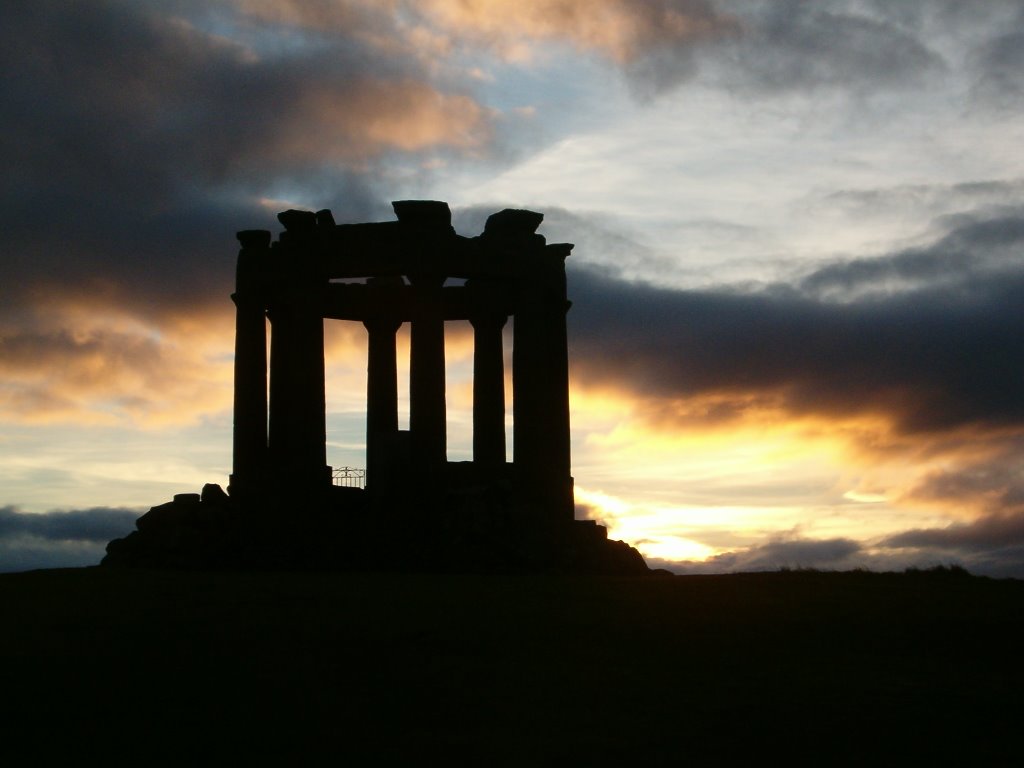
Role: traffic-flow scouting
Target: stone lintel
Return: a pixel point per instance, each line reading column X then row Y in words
column 423, row 214
column 361, row 302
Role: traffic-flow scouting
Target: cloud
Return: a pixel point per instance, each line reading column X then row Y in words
column 790, row 46
column 135, row 142
column 155, row 97
column 944, row 205
column 941, row 351
column 1003, row 62
column 755, row 46
column 29, row 554
column 992, row 484
column 992, row 544
column 97, row 524
column 925, row 200
column 989, row 491
column 323, row 16
column 845, row 555
column 776, row 553
column 105, row 375
column 653, row 42
column 137, row 139
column 992, row 532
column 978, row 248
column 586, row 511
column 623, row 31
column 997, row 60
column 60, row 538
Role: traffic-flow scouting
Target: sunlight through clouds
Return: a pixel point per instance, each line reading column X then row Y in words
column 797, row 287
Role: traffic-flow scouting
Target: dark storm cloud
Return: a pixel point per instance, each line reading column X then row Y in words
column 996, row 482
column 992, row 545
column 1002, row 66
column 137, row 138
column 940, row 351
column 779, row 47
column 790, row 45
column 992, row 532
column 927, row 200
column 991, row 487
column 59, row 538
column 134, row 143
column 136, row 102
column 97, row 524
column 774, row 554
column 1000, row 560
column 29, row 553
column 976, row 247
column 997, row 61
column 863, row 46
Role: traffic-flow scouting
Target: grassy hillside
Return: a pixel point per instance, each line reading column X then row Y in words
column 511, row 670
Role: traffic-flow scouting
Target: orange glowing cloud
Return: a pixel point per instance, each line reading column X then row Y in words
column 371, row 115
column 98, row 364
column 618, row 29
column 431, row 31
column 333, row 14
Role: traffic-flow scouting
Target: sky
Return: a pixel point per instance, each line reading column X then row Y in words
column 797, row 285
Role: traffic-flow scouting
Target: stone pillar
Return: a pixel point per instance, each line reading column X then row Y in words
column 427, row 408
column 381, row 399
column 249, row 444
column 540, row 376
column 298, row 430
column 488, row 390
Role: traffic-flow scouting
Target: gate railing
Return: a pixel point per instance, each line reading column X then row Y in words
column 349, row 477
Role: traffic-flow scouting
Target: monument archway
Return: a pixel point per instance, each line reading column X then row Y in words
column 395, row 273
column 418, row 510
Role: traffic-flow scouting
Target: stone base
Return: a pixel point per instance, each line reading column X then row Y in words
column 345, row 529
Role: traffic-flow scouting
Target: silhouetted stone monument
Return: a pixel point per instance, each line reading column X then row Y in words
column 417, row 510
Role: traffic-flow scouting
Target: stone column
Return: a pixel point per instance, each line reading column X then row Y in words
column 488, row 390
column 381, row 398
column 427, row 408
column 540, row 377
column 298, row 430
column 249, row 444
column 282, row 389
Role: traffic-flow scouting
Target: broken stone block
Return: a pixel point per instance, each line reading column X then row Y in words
column 213, row 494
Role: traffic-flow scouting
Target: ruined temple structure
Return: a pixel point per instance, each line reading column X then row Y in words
column 417, row 510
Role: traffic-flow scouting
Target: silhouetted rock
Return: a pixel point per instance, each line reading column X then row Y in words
column 213, row 494
column 512, row 222
column 297, row 221
column 325, row 219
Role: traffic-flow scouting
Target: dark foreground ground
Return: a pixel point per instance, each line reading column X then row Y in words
column 798, row 668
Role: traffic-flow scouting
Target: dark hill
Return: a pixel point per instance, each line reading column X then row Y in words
column 791, row 668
